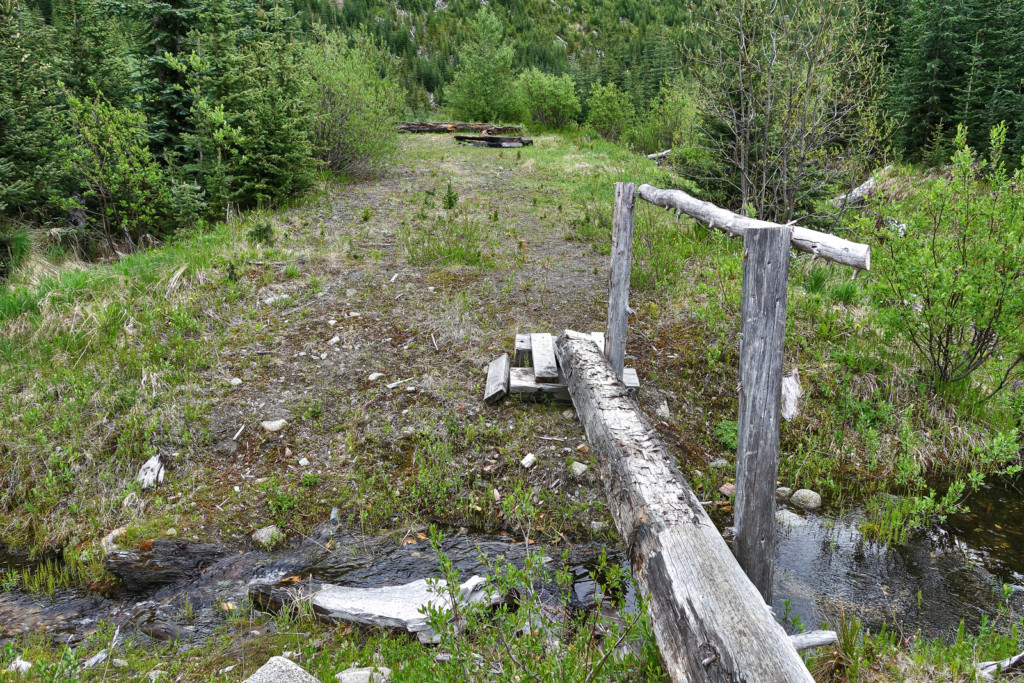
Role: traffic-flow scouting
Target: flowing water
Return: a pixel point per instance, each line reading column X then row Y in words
column 824, row 568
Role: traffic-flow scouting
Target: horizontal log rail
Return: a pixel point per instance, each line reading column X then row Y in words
column 819, row 244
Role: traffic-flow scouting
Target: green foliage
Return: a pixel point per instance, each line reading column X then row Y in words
column 727, row 433
column 548, row 100
column 262, row 233
column 950, row 277
column 126, row 195
column 483, row 86
column 611, row 111
column 14, row 248
column 92, row 49
column 356, row 102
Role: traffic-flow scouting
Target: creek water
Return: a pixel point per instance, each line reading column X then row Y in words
column 824, row 568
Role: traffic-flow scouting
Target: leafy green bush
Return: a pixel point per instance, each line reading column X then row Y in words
column 483, row 86
column 611, row 111
column 548, row 100
column 356, row 102
column 126, row 195
column 950, row 271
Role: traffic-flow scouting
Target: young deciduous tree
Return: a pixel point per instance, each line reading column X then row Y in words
column 789, row 101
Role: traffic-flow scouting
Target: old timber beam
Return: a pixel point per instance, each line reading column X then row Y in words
column 819, row 244
column 710, row 622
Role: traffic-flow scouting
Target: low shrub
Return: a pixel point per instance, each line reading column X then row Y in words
column 548, row 100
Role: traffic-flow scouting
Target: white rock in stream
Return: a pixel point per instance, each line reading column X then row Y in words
column 280, row 670
column 151, row 474
column 274, row 425
column 789, row 519
column 806, row 499
column 364, row 674
column 392, row 606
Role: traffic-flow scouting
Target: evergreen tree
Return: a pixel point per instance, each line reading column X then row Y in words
column 482, row 89
column 92, row 50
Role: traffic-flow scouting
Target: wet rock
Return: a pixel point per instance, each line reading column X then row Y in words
column 663, row 412
column 529, row 461
column 365, row 674
column 268, row 536
column 789, row 519
column 806, row 499
column 374, row 376
column 151, row 474
column 274, row 425
column 20, row 665
column 783, row 493
column 578, row 469
column 280, row 670
column 160, row 563
column 97, row 658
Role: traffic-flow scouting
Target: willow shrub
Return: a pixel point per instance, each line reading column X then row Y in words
column 356, row 102
column 950, row 271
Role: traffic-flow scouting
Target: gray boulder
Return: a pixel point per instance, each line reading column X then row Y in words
column 280, row 670
column 806, row 499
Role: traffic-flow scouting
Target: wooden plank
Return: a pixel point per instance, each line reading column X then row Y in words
column 545, row 367
column 523, row 355
column 618, row 286
column 709, row 620
column 598, row 338
column 762, row 337
column 819, row 244
column 497, row 380
column 453, row 126
column 522, row 382
column 805, row 641
column 631, row 381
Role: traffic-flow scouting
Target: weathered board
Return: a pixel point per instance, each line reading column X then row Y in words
column 523, row 355
column 456, row 127
column 709, row 620
column 497, row 380
column 618, row 286
column 545, row 366
column 522, row 381
column 493, row 141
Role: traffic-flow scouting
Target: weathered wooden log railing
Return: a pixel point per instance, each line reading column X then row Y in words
column 710, row 621
column 819, row 244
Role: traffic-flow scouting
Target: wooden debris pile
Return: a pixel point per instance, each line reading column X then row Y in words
column 493, row 141
column 457, row 127
column 535, row 371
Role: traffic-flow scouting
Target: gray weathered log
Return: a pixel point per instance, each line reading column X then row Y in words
column 709, row 620
column 762, row 340
column 522, row 382
column 805, row 641
column 457, row 127
column 493, row 141
column 987, row 669
column 497, row 380
column 542, row 348
column 618, row 285
column 658, row 156
column 819, row 244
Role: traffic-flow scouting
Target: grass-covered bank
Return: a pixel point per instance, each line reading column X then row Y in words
column 423, row 275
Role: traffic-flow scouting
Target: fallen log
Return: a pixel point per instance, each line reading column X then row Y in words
column 161, row 563
column 456, row 127
column 819, row 244
column 805, row 641
column 493, row 141
column 709, row 620
column 658, row 156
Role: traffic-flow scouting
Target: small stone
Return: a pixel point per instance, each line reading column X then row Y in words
column 597, row 527
column 719, row 463
column 529, row 461
column 578, row 469
column 663, row 412
column 274, row 425
column 171, row 533
column 366, row 674
column 334, row 340
column 238, row 489
column 236, row 381
column 332, row 323
column 20, row 665
column 108, row 543
column 155, row 675
column 287, row 452
column 789, row 519
column 569, row 414
column 410, row 390
column 352, row 314
column 782, row 493
column 583, row 448
column 806, row 499
column 350, row 293
column 281, row 670
column 374, row 376
column 119, row 663
column 268, row 536
column 304, row 462
column 97, row 658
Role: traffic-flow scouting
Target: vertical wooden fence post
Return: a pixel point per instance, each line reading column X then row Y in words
column 618, row 288
column 762, row 337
